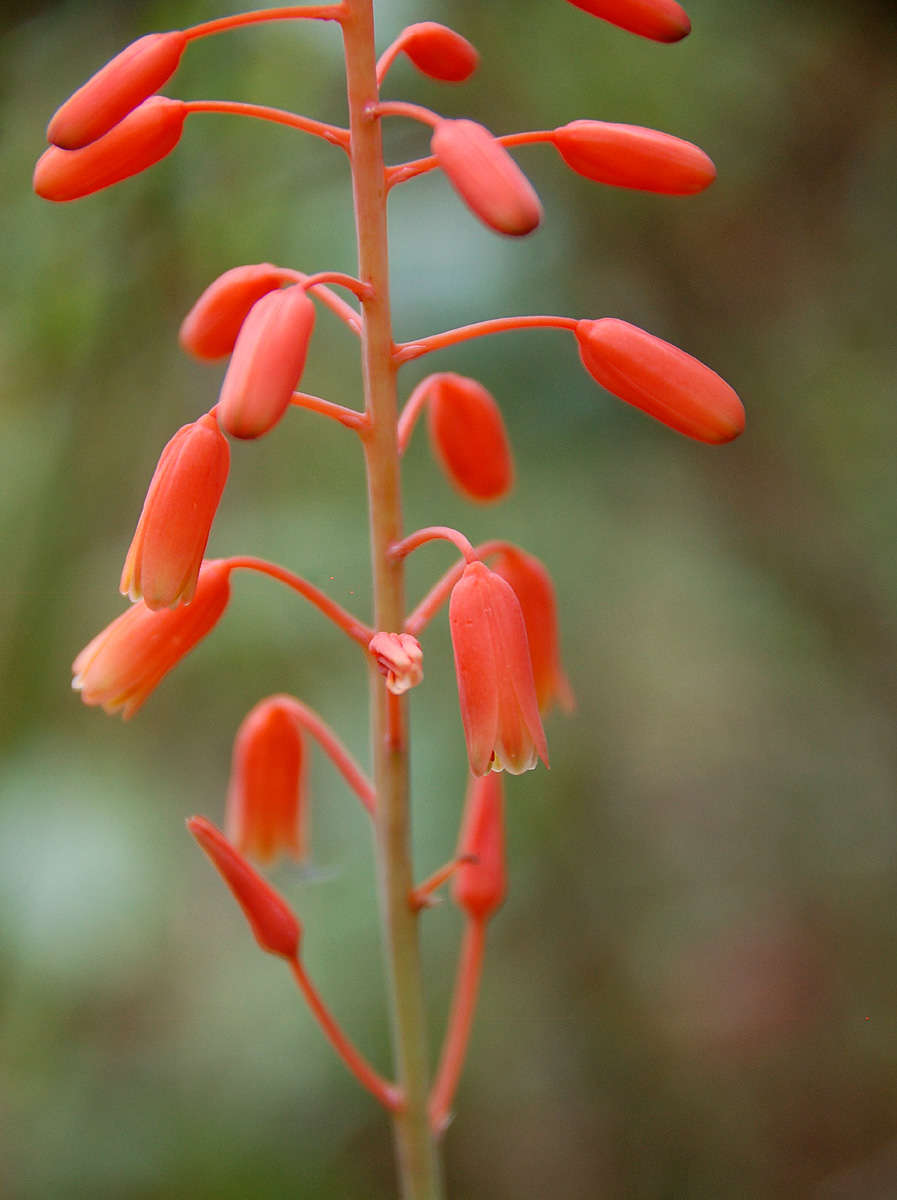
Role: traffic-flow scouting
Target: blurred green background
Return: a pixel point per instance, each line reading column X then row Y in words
column 692, row 990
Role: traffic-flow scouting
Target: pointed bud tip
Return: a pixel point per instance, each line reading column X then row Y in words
column 657, row 20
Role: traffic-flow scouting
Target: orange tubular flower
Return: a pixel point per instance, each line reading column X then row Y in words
column 660, row 379
column 439, row 52
column 267, row 799
column 400, row 658
column 486, row 178
column 499, row 708
column 166, row 552
column 116, row 89
column 469, row 438
column 533, row 588
column 272, row 921
column 267, row 363
column 144, row 137
column 633, row 157
column 123, row 664
column 480, row 887
column 659, row 20
column 211, row 327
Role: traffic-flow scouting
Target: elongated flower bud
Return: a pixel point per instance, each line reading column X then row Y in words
column 267, row 802
column 632, row 157
column 440, row 52
column 267, row 363
column 143, row 138
column 486, row 178
column 468, row 435
column 533, row 588
column 499, row 708
column 479, row 887
column 659, row 20
column 272, row 921
column 116, row 89
column 660, row 379
column 166, row 552
column 125, row 662
column 211, row 327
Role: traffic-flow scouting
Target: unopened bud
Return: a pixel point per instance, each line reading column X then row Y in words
column 659, row 20
column 439, row 52
column 630, row 156
column 468, row 434
column 270, row 918
column 480, row 882
column 660, row 379
column 210, row 328
column 116, row 89
column 144, row 137
column 486, row 178
column 267, row 363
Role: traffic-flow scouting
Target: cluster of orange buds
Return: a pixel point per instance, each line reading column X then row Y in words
column 261, row 317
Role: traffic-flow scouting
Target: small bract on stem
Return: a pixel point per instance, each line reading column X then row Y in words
column 262, row 318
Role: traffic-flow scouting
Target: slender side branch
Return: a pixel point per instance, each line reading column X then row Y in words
column 357, row 287
column 308, row 12
column 384, row 1091
column 408, row 351
column 346, row 416
column 280, row 116
column 400, row 550
column 402, row 172
column 401, row 108
column 335, row 303
column 389, row 56
column 464, row 1000
column 357, row 630
column 414, row 406
column 421, row 896
column 334, row 749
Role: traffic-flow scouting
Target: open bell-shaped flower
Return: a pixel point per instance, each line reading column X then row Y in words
column 480, row 881
column 144, row 137
column 486, row 177
column 166, row 552
column 440, row 52
column 660, row 379
column 499, row 707
column 124, row 663
column 631, row 156
column 468, row 435
column 659, row 20
column 116, row 89
column 533, row 588
column 267, row 808
column 211, row 327
column 267, row 363
column 272, row 921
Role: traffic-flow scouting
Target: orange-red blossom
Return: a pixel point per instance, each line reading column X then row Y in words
column 499, row 707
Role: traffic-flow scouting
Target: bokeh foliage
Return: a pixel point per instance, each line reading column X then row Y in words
column 691, row 991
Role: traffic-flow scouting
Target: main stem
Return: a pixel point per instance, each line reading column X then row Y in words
column 415, row 1148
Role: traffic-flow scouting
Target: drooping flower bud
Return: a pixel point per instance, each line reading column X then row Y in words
column 533, row 588
column 143, row 138
column 660, row 379
column 400, row 658
column 272, row 921
column 440, row 52
column 267, row 803
column 499, row 708
column 468, row 436
column 123, row 663
column 486, row 178
column 659, row 20
column 162, row 565
column 633, row 157
column 480, row 886
column 267, row 363
column 211, row 327
column 116, row 89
